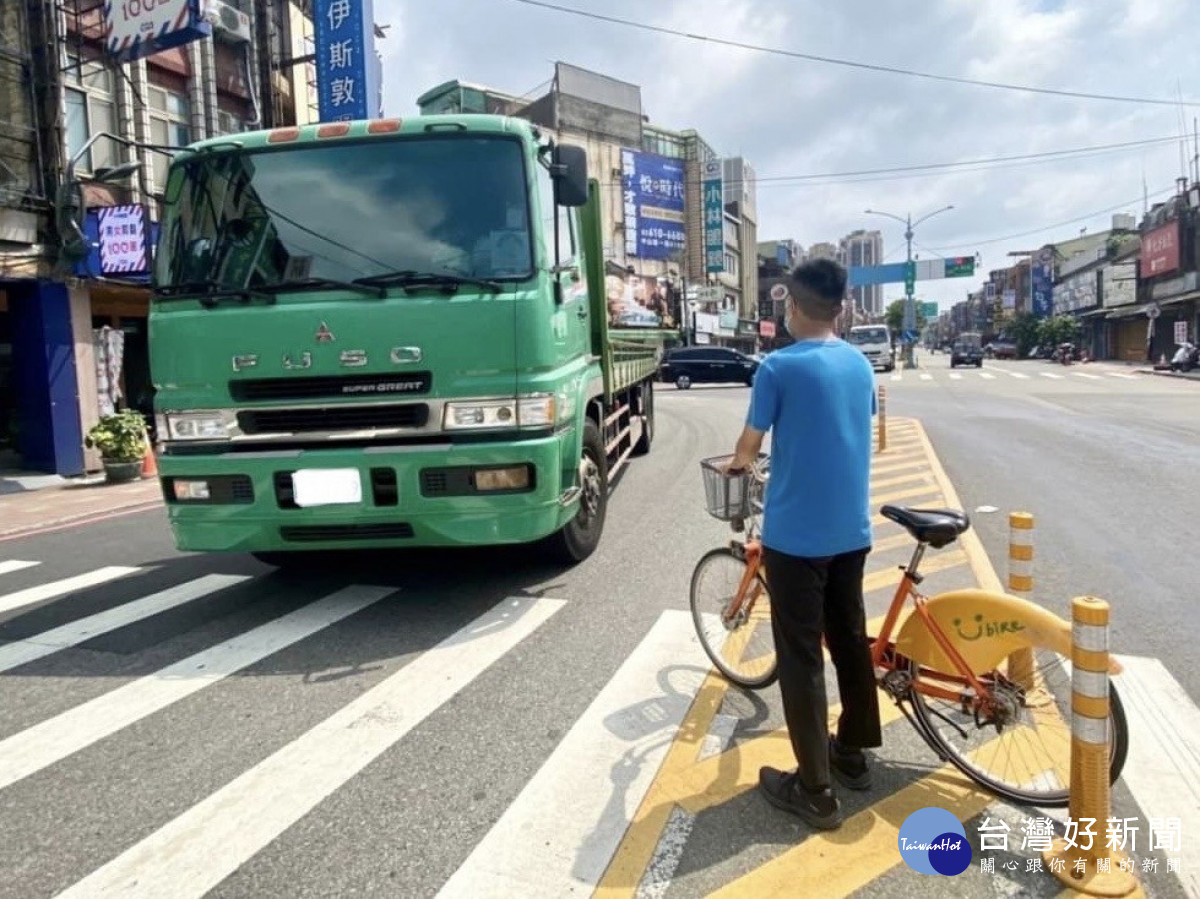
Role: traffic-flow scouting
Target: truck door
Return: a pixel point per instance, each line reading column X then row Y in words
column 572, row 328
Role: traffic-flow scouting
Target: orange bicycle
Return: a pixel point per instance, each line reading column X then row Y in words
column 987, row 675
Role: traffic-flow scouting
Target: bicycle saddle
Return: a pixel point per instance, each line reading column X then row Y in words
column 937, row 527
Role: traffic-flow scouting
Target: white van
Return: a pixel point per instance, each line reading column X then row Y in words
column 875, row 342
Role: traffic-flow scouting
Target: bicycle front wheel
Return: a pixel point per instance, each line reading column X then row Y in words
column 734, row 630
column 1028, row 758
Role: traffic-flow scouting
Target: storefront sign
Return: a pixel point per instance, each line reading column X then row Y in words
column 729, row 320
column 1181, row 332
column 1041, row 277
column 707, row 323
column 746, row 327
column 122, row 239
column 137, row 28
column 1160, row 250
column 1186, row 283
column 1075, row 293
column 714, row 217
column 1118, row 284
column 653, row 200
column 766, row 328
column 348, row 69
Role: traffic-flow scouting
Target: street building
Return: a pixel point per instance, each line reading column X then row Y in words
column 91, row 112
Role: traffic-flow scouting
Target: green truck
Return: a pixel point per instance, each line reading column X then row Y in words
column 390, row 333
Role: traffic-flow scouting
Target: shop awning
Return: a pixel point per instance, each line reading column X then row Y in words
column 1182, row 298
column 1129, row 311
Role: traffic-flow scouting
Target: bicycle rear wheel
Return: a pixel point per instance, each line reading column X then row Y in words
column 1028, row 760
column 742, row 646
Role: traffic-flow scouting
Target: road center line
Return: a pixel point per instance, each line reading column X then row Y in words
column 200, row 848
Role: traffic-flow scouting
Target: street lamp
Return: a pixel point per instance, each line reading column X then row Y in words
column 910, row 312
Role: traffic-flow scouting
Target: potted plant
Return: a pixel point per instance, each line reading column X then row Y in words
column 121, row 439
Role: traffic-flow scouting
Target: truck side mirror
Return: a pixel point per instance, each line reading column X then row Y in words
column 569, row 168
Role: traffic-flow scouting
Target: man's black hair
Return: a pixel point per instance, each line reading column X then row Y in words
column 819, row 287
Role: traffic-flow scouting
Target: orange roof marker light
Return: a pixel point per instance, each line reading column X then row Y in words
column 282, row 135
column 383, row 126
column 335, row 129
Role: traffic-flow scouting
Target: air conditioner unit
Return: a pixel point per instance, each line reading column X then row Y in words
column 229, row 23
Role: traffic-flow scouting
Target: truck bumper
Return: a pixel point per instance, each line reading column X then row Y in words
column 404, row 500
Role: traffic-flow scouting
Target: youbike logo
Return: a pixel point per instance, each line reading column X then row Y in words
column 932, row 841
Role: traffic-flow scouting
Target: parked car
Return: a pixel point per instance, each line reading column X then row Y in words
column 685, row 366
column 966, row 351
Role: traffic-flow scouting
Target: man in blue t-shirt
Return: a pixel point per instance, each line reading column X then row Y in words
column 817, row 396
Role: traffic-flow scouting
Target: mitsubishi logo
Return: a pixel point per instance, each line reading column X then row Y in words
column 324, row 335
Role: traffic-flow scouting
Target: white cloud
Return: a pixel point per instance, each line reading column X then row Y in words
column 792, row 117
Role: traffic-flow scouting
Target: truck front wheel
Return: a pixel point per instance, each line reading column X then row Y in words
column 581, row 536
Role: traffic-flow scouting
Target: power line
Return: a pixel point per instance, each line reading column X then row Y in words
column 1082, row 218
column 1048, row 154
column 854, row 64
column 894, row 173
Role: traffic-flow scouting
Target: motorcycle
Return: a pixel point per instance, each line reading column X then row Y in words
column 1186, row 357
column 1065, row 353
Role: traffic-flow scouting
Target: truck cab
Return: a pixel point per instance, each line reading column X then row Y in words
column 875, row 342
column 383, row 333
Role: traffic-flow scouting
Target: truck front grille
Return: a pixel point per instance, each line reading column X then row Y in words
column 332, row 418
column 316, row 533
column 322, row 387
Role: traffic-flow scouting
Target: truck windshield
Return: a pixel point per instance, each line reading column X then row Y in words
column 314, row 213
column 860, row 336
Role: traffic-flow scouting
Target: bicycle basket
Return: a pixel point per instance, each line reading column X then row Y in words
column 727, row 497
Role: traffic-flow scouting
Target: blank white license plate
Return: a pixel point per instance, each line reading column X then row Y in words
column 326, row 486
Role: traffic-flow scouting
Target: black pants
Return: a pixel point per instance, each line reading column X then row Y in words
column 810, row 597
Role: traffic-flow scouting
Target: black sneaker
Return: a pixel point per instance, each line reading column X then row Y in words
column 783, row 790
column 848, row 766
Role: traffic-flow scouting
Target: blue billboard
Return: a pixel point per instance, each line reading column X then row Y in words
column 116, row 246
column 1041, row 277
column 348, row 69
column 653, row 200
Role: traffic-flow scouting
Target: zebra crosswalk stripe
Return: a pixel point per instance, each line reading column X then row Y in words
column 545, row 846
column 28, row 597
column 11, row 565
column 22, row 652
column 201, row 847
column 54, row 739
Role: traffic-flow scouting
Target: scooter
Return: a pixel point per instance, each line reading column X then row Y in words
column 1186, row 357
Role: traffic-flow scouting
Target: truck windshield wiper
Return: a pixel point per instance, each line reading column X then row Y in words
column 414, row 278
column 355, row 286
column 209, row 293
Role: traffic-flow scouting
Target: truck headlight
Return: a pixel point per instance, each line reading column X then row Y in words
column 518, row 412
column 212, row 425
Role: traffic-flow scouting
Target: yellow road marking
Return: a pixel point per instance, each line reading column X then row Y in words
column 922, row 476
column 880, row 499
column 903, row 466
column 838, row 863
column 865, row 847
column 981, row 565
column 890, row 577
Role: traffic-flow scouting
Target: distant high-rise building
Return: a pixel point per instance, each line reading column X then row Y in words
column 864, row 248
column 824, row 251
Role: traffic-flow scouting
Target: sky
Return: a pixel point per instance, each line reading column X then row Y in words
column 792, row 117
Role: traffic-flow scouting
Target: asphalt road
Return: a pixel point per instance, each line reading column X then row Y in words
column 1107, row 461
column 255, row 734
